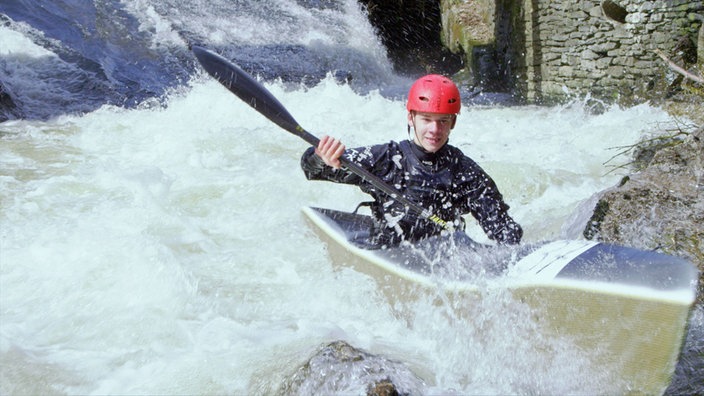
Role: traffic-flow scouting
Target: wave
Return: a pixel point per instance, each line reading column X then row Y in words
column 73, row 56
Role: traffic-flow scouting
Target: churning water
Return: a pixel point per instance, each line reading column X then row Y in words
column 155, row 245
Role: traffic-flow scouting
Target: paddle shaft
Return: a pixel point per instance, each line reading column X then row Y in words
column 259, row 98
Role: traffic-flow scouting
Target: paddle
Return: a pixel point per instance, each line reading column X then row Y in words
column 260, row 99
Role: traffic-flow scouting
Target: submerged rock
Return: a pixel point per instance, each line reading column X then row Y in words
column 339, row 368
column 8, row 107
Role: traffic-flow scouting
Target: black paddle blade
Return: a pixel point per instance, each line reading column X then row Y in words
column 250, row 91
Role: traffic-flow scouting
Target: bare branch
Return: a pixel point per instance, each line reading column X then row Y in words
column 678, row 69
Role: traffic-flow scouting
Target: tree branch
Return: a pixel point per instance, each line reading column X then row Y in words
column 678, row 69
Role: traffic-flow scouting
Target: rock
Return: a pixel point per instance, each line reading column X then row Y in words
column 8, row 108
column 662, row 206
column 700, row 44
column 339, row 368
column 467, row 24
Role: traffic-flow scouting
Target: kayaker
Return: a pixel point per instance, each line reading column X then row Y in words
column 425, row 169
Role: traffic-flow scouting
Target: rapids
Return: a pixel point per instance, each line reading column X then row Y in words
column 156, row 245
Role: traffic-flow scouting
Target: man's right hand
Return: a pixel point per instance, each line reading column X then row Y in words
column 330, row 150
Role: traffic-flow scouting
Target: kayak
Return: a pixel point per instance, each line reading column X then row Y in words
column 630, row 305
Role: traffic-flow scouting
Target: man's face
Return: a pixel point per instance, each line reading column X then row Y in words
column 432, row 130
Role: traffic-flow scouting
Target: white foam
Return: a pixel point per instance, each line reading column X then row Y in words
column 15, row 43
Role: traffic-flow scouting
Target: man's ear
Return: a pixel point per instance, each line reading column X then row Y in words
column 454, row 121
column 410, row 119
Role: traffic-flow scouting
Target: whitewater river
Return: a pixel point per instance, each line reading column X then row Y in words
column 160, row 248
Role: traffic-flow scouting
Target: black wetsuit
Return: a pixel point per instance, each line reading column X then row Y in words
column 448, row 183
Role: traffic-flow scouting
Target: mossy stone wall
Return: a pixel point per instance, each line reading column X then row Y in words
column 546, row 51
column 556, row 49
column 606, row 48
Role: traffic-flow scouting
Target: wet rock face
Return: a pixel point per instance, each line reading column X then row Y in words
column 662, row 206
column 339, row 368
column 8, row 108
column 700, row 45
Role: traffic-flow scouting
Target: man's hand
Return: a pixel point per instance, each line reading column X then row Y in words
column 330, row 150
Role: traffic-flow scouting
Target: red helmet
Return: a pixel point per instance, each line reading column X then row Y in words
column 434, row 94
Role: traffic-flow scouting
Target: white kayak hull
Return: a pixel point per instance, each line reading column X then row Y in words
column 629, row 305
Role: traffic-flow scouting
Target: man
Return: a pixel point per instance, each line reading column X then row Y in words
column 425, row 169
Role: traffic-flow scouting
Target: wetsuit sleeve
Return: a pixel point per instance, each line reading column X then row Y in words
column 491, row 212
column 486, row 204
column 314, row 168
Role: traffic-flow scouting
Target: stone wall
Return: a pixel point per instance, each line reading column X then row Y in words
column 605, row 48
column 549, row 50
